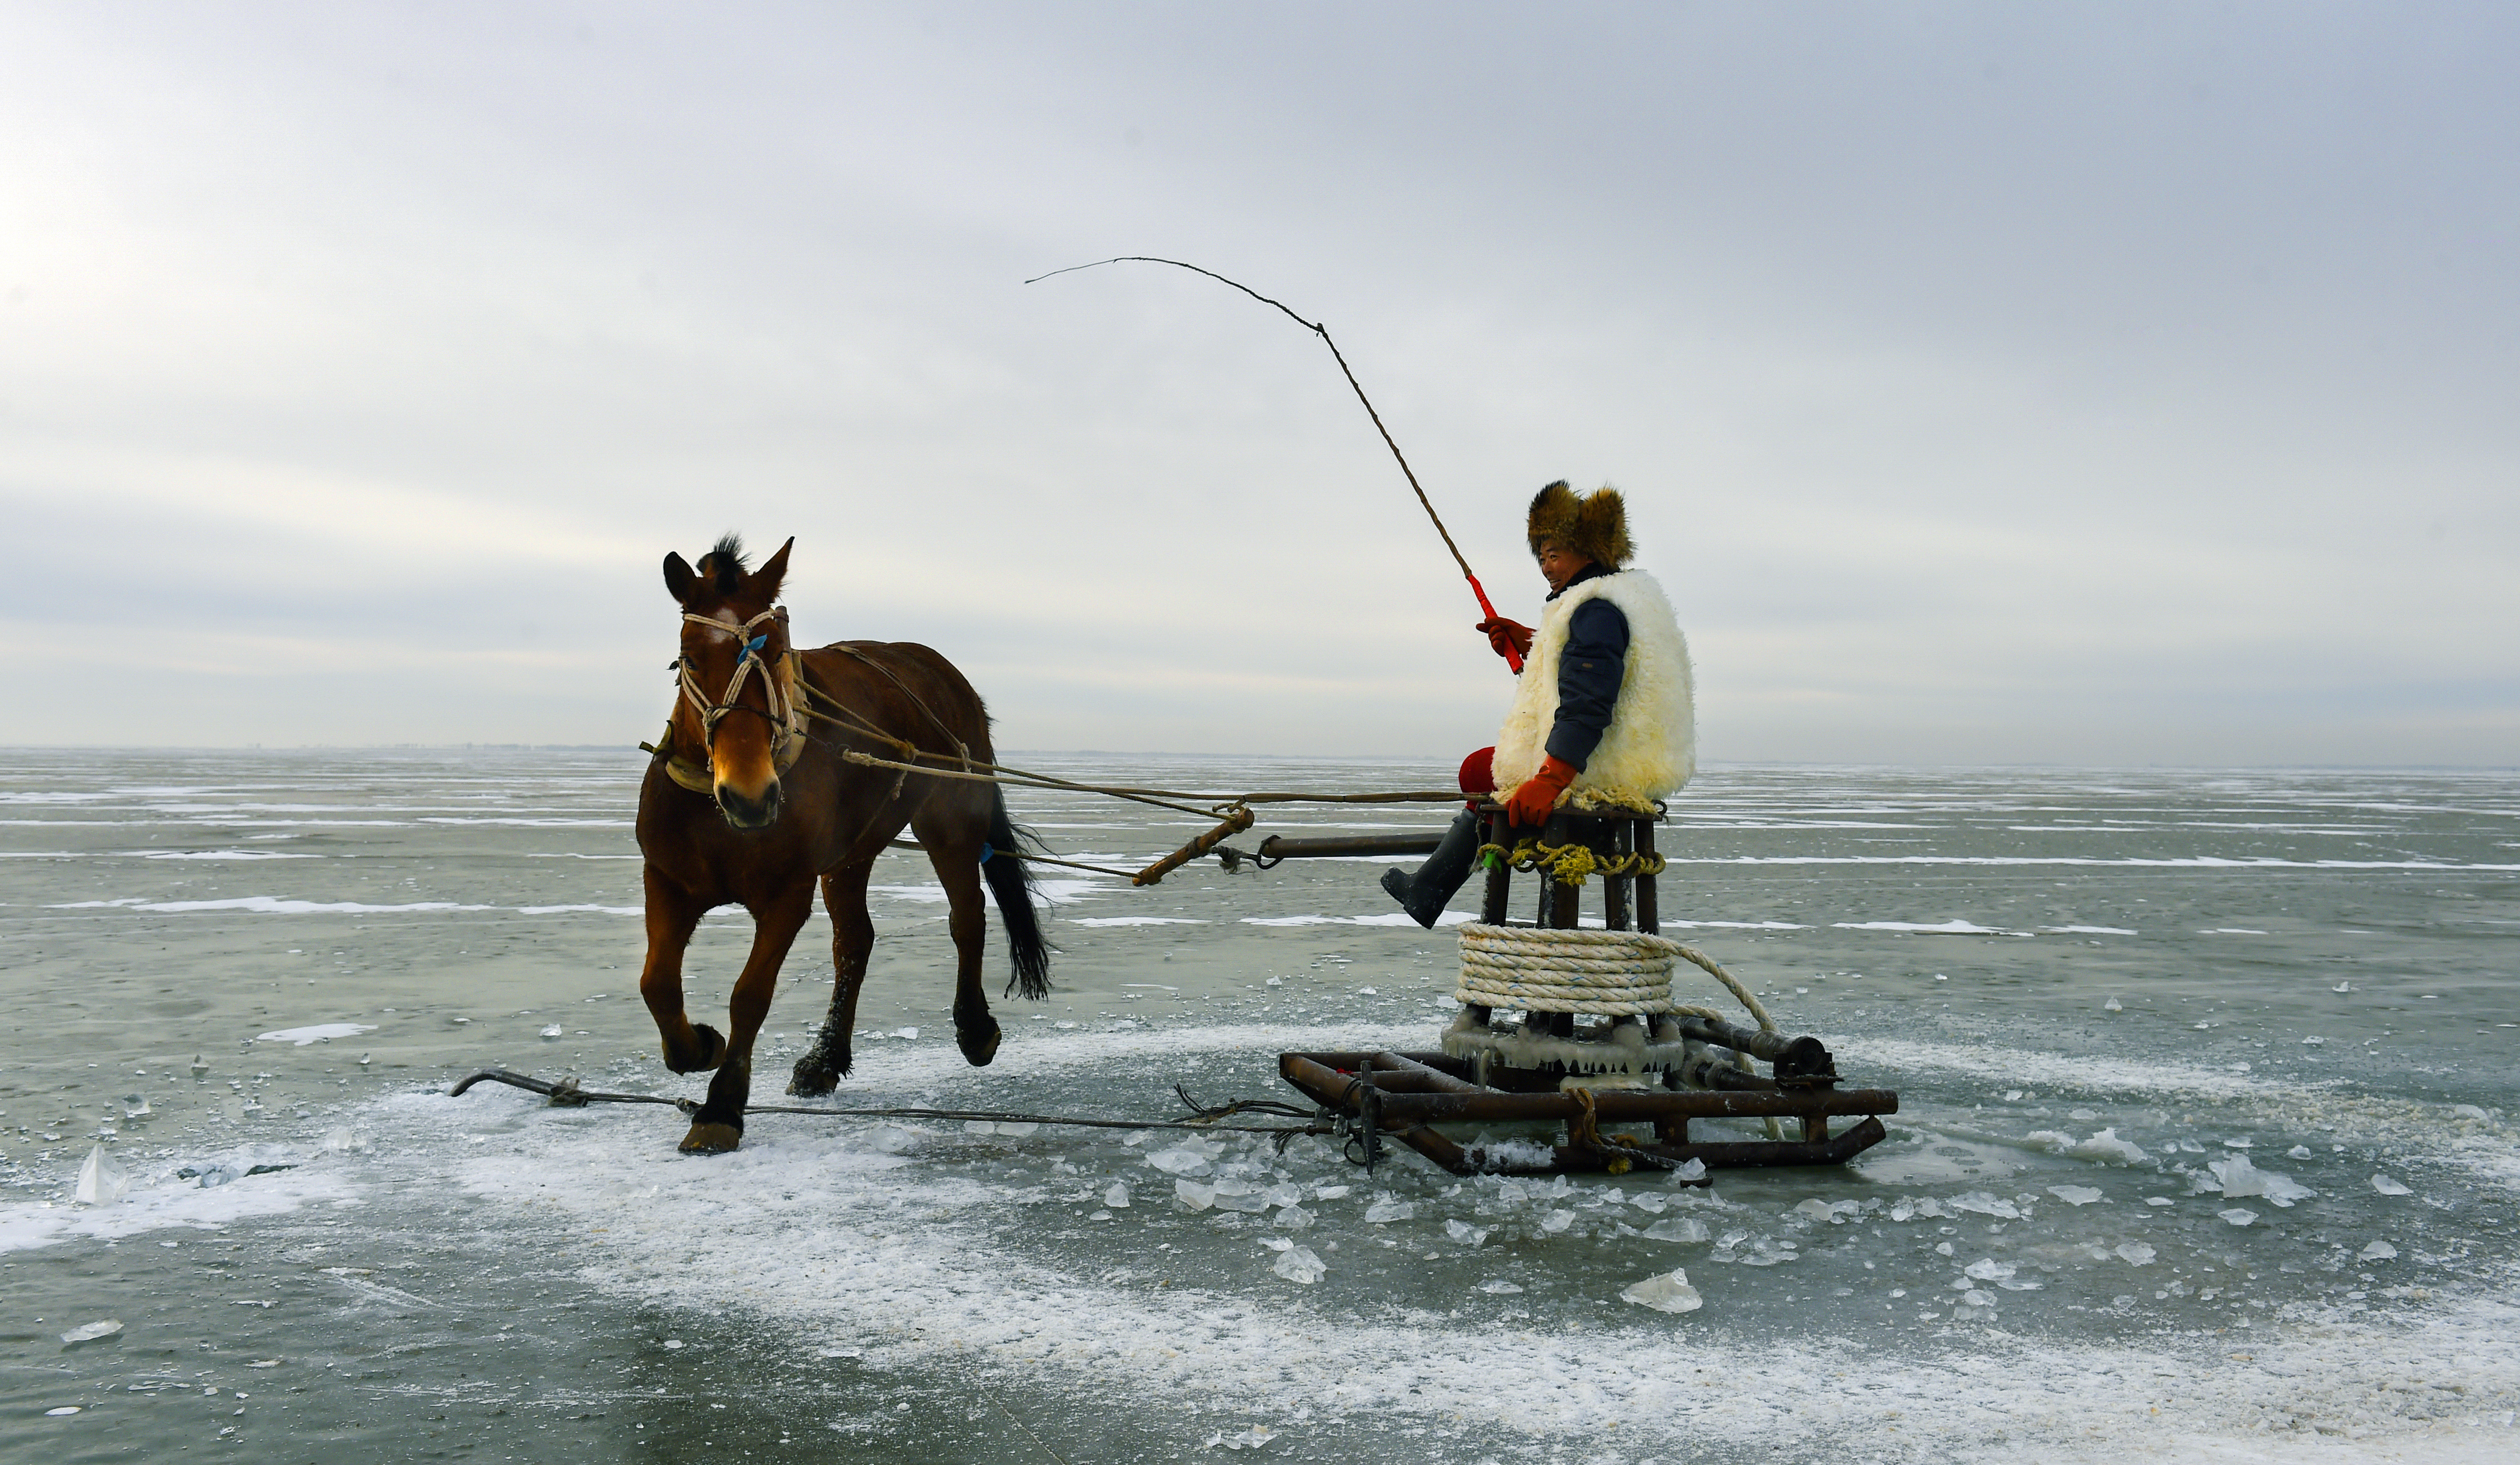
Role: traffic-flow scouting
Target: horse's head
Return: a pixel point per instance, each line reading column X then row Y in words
column 734, row 704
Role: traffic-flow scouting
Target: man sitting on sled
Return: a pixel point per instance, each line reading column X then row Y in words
column 1603, row 714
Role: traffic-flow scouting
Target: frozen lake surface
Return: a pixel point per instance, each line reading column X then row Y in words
column 2206, row 1148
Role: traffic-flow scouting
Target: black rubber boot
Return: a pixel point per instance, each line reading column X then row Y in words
column 1423, row 894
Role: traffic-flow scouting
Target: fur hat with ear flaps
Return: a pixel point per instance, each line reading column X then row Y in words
column 1594, row 526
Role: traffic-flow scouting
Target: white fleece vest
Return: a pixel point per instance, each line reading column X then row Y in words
column 1650, row 748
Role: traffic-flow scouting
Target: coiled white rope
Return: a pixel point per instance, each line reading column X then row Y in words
column 1607, row 973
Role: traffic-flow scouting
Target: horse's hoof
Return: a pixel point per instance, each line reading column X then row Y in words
column 978, row 1044
column 711, row 1139
column 814, row 1078
column 712, row 1051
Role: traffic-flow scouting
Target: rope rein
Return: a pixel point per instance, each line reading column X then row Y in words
column 1202, row 1118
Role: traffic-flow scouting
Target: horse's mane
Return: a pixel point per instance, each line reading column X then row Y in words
column 728, row 549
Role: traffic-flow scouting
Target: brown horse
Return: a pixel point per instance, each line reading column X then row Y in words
column 742, row 805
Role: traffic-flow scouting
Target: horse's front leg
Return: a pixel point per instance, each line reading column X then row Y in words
column 719, row 1124
column 673, row 913
column 844, row 897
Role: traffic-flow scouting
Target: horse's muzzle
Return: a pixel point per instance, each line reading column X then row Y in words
column 745, row 812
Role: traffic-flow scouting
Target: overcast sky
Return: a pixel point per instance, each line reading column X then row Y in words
column 2107, row 384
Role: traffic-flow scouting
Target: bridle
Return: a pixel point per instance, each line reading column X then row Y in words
column 781, row 713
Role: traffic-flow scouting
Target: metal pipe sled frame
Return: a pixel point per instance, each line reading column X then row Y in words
column 1403, row 1096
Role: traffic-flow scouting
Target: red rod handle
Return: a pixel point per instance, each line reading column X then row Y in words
column 1512, row 658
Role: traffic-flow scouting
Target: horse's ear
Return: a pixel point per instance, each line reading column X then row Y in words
column 680, row 578
column 766, row 580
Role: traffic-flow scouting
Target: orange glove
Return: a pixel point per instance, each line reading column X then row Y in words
column 1502, row 633
column 1531, row 802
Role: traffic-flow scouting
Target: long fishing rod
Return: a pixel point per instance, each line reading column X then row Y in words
column 1512, row 658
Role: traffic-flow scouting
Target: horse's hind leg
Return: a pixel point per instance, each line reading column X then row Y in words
column 957, row 858
column 844, row 896
column 718, row 1126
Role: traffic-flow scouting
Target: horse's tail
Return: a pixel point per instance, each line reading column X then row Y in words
column 1010, row 881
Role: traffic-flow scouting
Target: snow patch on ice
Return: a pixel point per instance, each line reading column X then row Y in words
column 318, row 1033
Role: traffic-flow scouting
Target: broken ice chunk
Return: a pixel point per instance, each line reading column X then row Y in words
column 1557, row 1221
column 2135, row 1252
column 1988, row 1269
column 2240, row 1179
column 90, row 1332
column 554, row 1032
column 2379, row 1251
column 2237, row 1216
column 905, row 1032
column 1687, row 1174
column 1984, row 1204
column 2106, row 1148
column 1902, row 1208
column 2076, row 1195
column 1013, row 1129
column 1234, row 1195
column 1386, row 1208
column 1499, row 1287
column 1292, row 1217
column 978, row 1126
column 1680, row 1228
column 102, row 1180
column 1283, row 1193
column 1328, row 1192
column 2390, row 1187
column 1179, row 1160
column 2113, row 1005
column 1835, row 1212
column 1665, row 1292
column 1465, row 1233
column 2298, row 1152
column 1194, row 1195
column 1117, row 1197
column 1299, row 1264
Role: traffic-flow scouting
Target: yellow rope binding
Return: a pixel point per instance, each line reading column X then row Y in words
column 1569, row 863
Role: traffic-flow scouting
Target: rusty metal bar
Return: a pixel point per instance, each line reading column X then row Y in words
column 1279, row 846
column 1432, row 1079
column 1614, row 888
column 1648, row 903
column 1331, row 1072
column 1795, row 1059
